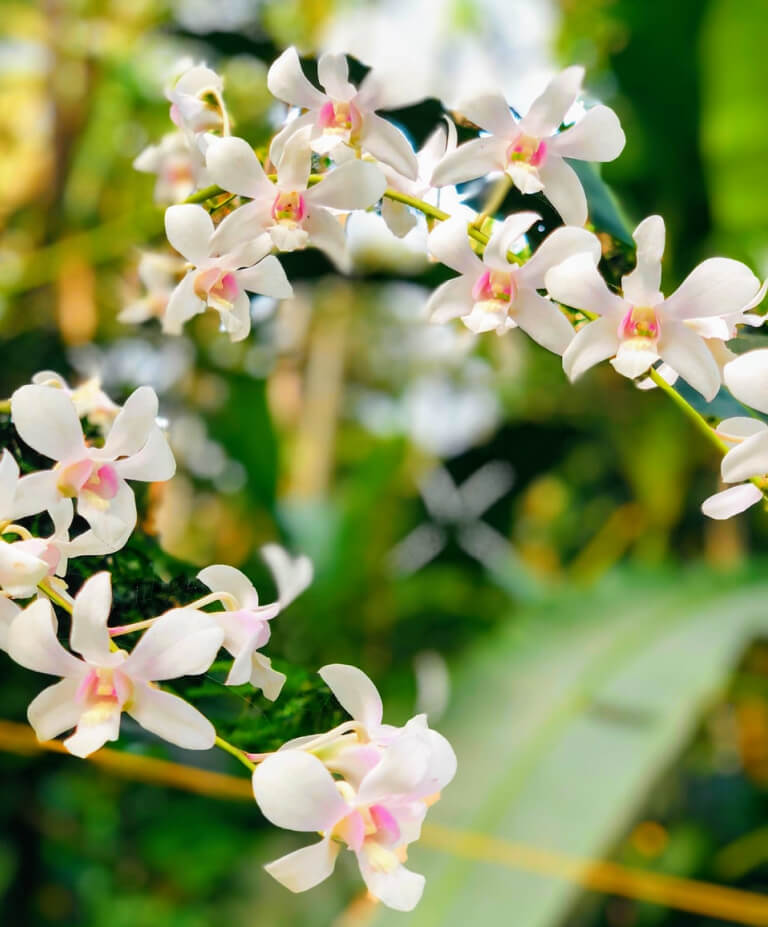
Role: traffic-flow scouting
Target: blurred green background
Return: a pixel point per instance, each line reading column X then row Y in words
column 523, row 558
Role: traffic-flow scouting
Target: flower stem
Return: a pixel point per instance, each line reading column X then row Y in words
column 238, row 754
column 5, row 405
column 687, row 409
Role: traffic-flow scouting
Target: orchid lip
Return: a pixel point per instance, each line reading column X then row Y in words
column 528, row 150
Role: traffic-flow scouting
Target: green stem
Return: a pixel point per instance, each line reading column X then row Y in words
column 5, row 405
column 235, row 752
column 687, row 409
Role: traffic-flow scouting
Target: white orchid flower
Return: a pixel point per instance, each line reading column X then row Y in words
column 493, row 294
column 178, row 163
column 342, row 116
column 197, row 104
column 292, row 215
column 641, row 326
column 376, row 810
column 95, row 477
column 94, row 691
column 218, row 280
column 531, row 150
column 246, row 623
column 747, row 458
column 159, row 275
column 398, row 216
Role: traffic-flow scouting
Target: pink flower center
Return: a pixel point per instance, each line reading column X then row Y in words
column 495, row 286
column 640, row 322
column 104, row 689
column 527, row 149
column 218, row 287
column 340, row 118
column 88, row 476
column 289, row 208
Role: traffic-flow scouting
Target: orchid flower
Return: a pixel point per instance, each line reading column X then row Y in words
column 399, row 217
column 641, row 326
column 289, row 213
column 178, row 163
column 246, row 623
column 159, row 275
column 747, row 458
column 376, row 810
column 218, row 280
column 341, row 116
column 197, row 104
column 531, row 150
column 21, row 567
column 493, row 294
column 95, row 477
column 94, row 691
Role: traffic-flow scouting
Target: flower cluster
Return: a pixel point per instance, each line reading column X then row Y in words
column 384, row 777
column 335, row 155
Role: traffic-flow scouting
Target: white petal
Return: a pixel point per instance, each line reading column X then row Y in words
column 295, row 162
column 90, row 614
column 731, row 501
column 32, row 642
column 171, row 718
column 183, row 304
column 56, row 709
column 597, row 136
column 153, row 463
column 46, row 420
column 232, row 165
column 401, row 769
column 399, row 218
column 451, row 300
column 223, row 578
column 564, row 191
column 91, row 734
column 504, row 235
column 491, row 112
column 188, row 228
column 305, row 868
column 449, row 243
column 327, row 234
column 182, row 642
column 237, row 321
column 8, row 612
column 292, row 575
column 333, row 75
column 741, row 427
column 355, row 692
column 132, row 425
column 718, row 286
column 266, row 277
column 470, row 160
column 388, row 144
column 633, row 360
column 525, row 178
column 244, row 225
column 295, row 791
column 688, row 354
column 264, row 677
column 242, row 664
column 556, row 248
column 747, row 378
column 549, row 109
column 577, row 283
column 9, row 478
column 486, row 317
column 279, row 142
column 354, row 185
column 287, row 82
column 398, row 888
column 641, row 286
column 542, row 320
column 594, row 343
column 750, row 458
column 111, row 519
column 35, row 493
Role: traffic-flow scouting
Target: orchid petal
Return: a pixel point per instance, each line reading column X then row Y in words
column 398, row 888
column 171, row 718
column 504, row 235
column 333, row 75
column 35, row 493
column 687, row 353
column 9, row 611
column 747, row 378
column 266, row 277
column 295, row 791
column 327, row 234
column 641, row 286
column 90, row 615
column 224, row 578
column 748, row 459
column 182, row 642
column 354, row 185
column 718, row 286
column 287, row 82
column 596, row 342
column 597, row 136
column 56, row 709
column 32, row 642
column 233, row 166
column 388, row 144
column 731, row 501
column 189, row 228
column 46, row 420
column 131, row 428
column 305, row 868
column 542, row 320
column 548, row 110
column 355, row 692
column 491, row 112
column 473, row 159
column 111, row 519
column 577, row 283
column 556, row 248
column 183, row 304
column 92, row 733
column 264, row 677
column 564, row 191
column 154, row 463
column 292, row 575
column 451, row 300
column 450, row 245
